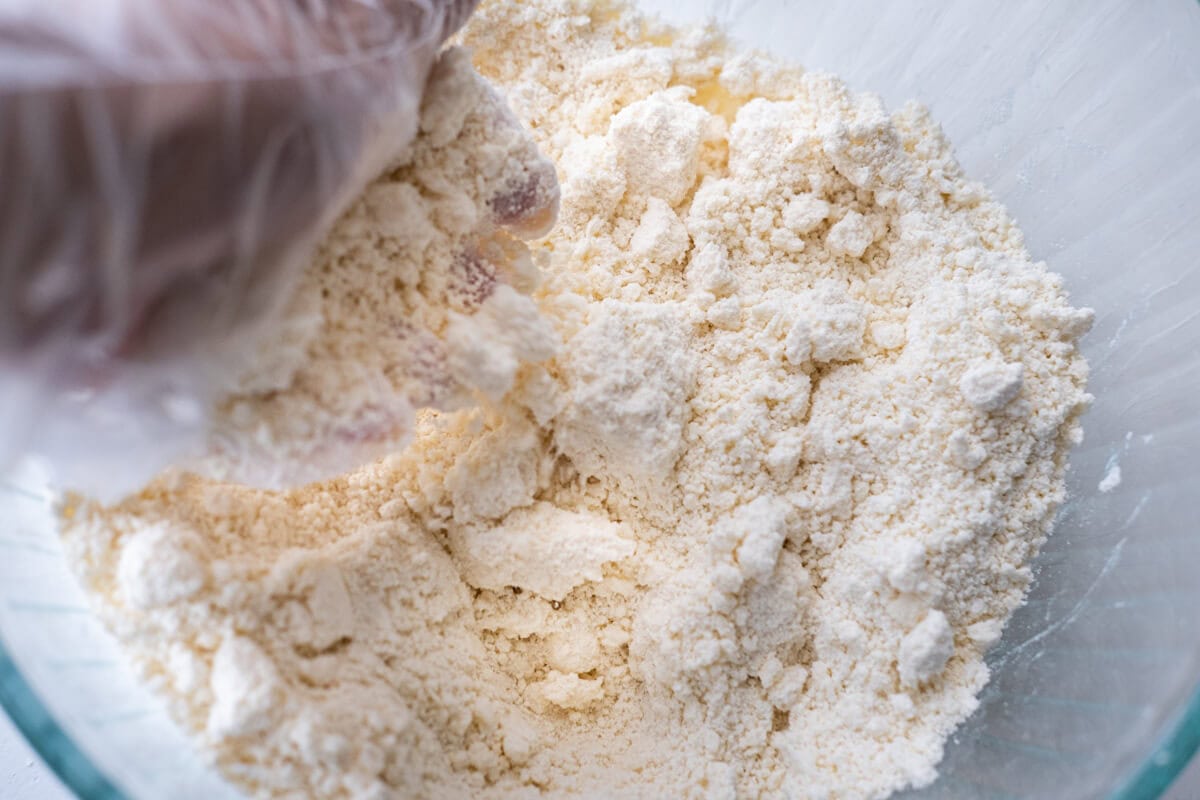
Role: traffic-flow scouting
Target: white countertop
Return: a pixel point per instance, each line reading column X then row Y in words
column 23, row 776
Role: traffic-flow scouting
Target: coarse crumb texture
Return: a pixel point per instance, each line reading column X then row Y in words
column 748, row 533
column 416, row 299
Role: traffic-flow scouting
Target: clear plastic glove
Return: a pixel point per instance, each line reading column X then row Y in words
column 166, row 165
column 419, row 297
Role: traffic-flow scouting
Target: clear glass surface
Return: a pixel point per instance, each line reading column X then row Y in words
column 1085, row 119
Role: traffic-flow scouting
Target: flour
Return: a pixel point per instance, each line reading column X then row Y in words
column 745, row 530
column 1111, row 479
column 417, row 298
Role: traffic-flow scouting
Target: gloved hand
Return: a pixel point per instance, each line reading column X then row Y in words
column 166, row 165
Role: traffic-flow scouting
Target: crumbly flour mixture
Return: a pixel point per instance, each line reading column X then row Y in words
column 754, row 495
column 418, row 298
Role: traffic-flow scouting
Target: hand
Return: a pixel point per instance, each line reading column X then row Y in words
column 165, row 167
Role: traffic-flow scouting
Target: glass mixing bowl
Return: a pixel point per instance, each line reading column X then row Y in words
column 1085, row 119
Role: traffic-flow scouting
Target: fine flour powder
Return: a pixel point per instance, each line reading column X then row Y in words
column 758, row 488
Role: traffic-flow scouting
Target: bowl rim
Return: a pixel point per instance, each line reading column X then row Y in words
column 1163, row 764
column 48, row 738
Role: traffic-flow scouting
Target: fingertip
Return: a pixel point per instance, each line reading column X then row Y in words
column 528, row 207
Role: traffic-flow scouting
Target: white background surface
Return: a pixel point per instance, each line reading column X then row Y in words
column 24, row 777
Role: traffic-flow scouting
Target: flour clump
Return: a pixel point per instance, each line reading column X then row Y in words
column 727, row 496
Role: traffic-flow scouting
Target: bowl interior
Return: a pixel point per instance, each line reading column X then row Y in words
column 1083, row 119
